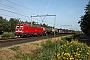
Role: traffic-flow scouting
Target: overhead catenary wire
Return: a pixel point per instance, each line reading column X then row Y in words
column 22, row 6
column 17, row 17
column 48, row 6
column 46, row 11
column 11, row 16
column 44, row 17
column 19, row 14
column 21, row 18
column 6, row 15
column 13, row 8
column 25, row 7
column 14, row 12
column 44, row 21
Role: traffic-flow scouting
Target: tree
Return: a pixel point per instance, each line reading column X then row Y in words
column 3, row 24
column 12, row 23
column 1, row 21
column 85, row 20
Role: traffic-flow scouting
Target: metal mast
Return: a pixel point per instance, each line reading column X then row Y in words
column 44, row 18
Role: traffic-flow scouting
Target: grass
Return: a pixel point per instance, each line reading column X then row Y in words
column 15, row 48
column 8, row 35
column 51, row 49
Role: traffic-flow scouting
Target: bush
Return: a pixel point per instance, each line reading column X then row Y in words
column 72, row 37
column 49, row 50
column 75, row 36
column 8, row 35
column 60, row 50
column 69, row 39
column 74, row 51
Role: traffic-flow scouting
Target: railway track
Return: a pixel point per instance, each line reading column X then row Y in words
column 10, row 42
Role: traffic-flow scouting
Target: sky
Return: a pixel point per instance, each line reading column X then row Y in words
column 68, row 12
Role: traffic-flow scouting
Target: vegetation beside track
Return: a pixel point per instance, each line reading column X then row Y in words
column 51, row 49
column 6, row 35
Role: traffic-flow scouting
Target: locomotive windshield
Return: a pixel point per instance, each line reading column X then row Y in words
column 19, row 26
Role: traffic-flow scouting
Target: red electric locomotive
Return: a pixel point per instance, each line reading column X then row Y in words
column 24, row 30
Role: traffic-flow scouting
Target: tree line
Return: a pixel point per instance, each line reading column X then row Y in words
column 9, row 25
column 85, row 20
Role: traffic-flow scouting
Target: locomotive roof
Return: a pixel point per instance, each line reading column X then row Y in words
column 22, row 24
column 28, row 25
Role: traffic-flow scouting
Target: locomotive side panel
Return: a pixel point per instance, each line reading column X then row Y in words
column 35, row 30
column 25, row 29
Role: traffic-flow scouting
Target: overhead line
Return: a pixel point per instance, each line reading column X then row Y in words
column 16, row 13
column 48, row 6
column 14, row 8
column 22, row 18
column 13, row 12
column 6, row 15
column 19, row 14
column 22, row 6
column 11, row 16
column 43, row 21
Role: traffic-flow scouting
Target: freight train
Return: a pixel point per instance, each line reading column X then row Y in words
column 25, row 30
column 66, row 31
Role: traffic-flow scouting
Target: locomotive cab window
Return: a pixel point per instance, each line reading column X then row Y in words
column 19, row 26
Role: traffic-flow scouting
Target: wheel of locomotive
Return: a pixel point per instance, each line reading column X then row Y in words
column 45, row 33
column 20, row 36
